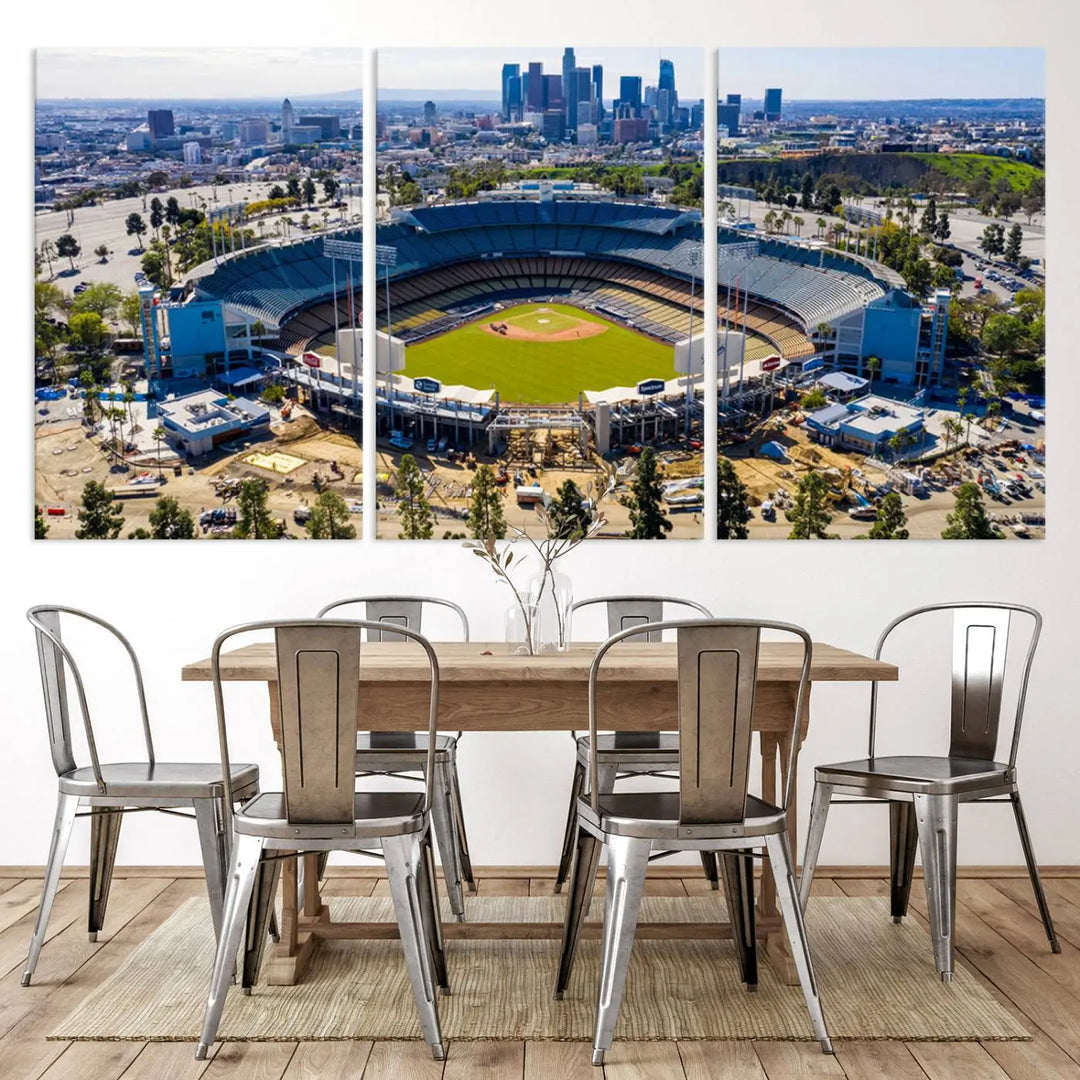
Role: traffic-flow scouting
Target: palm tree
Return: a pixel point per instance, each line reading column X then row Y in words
column 821, row 223
column 129, row 398
column 785, row 217
column 159, row 434
column 798, row 222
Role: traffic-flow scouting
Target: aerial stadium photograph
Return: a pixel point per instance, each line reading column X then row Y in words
column 539, row 300
column 882, row 263
column 196, row 223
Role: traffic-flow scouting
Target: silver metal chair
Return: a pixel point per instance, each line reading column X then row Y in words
column 320, row 810
column 711, row 811
column 924, row 792
column 628, row 753
column 403, row 754
column 110, row 790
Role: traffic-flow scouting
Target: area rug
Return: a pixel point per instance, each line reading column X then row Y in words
column 877, row 981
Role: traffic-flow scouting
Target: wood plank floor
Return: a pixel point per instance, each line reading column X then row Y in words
column 998, row 933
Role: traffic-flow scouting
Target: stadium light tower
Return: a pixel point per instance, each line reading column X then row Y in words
column 351, row 251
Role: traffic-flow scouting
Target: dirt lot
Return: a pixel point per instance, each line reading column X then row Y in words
column 60, row 476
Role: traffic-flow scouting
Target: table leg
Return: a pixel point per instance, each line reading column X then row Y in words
column 775, row 749
column 288, row 960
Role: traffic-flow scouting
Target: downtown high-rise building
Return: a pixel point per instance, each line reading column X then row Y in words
column 727, row 114
column 598, row 90
column 511, row 82
column 569, row 95
column 773, row 103
column 667, row 99
column 630, row 92
column 582, row 94
column 287, row 122
column 534, row 88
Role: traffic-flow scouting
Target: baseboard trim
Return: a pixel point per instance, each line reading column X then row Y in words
column 373, row 871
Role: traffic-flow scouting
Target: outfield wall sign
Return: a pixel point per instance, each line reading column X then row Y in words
column 313, row 360
column 427, row 386
column 770, row 364
column 650, row 386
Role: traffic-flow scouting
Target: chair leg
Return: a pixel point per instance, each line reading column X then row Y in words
column 259, row 914
column 214, row 843
column 628, row 863
column 403, row 858
column 442, row 820
column 738, row 871
column 105, row 825
column 819, row 811
column 787, row 896
column 427, row 890
column 582, row 879
column 712, row 870
column 936, row 818
column 1033, row 872
column 66, row 805
column 577, row 789
column 246, row 856
column 464, row 858
column 903, row 838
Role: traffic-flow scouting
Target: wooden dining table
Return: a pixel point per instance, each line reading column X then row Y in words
column 488, row 687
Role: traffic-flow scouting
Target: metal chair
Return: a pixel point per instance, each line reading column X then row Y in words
column 320, row 810
column 110, row 790
column 628, row 753
column 403, row 754
column 924, row 792
column 711, row 811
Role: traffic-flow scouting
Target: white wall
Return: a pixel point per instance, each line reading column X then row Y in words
column 172, row 599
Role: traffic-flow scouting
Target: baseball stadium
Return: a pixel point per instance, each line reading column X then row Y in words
column 553, row 328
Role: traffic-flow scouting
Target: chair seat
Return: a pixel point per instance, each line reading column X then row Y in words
column 627, row 748
column 919, row 775
column 393, row 742
column 163, row 779
column 655, row 815
column 375, row 813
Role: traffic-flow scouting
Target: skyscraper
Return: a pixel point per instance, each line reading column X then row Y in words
column 630, row 92
column 581, row 87
column 286, row 122
column 553, row 93
column 431, row 113
column 667, row 82
column 509, row 71
column 773, row 103
column 598, row 90
column 534, row 92
column 516, row 97
column 728, row 114
column 160, row 122
column 568, row 96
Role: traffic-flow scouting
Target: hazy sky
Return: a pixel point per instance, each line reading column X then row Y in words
column 851, row 73
column 481, row 69
column 867, row 74
column 196, row 73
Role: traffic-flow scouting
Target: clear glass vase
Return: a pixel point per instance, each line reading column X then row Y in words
column 519, row 626
column 551, row 595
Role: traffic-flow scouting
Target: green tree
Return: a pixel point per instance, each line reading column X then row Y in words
column 41, row 527
column 101, row 297
column 170, row 521
column 569, row 515
column 155, row 265
column 159, row 437
column 157, row 215
column 1013, row 244
column 273, row 395
column 806, row 197
column 732, row 502
column 255, row 520
column 873, row 366
column 486, row 518
column 135, row 226
column 172, row 210
column 810, row 516
column 992, row 240
column 131, row 313
column 891, row 521
column 102, row 252
column 330, row 187
column 100, row 518
column 814, row 399
column 968, row 520
column 1003, row 334
column 87, row 330
column 68, row 247
column 329, row 518
column 309, row 191
column 942, row 230
column 293, row 186
column 648, row 519
column 414, row 510
column 928, row 222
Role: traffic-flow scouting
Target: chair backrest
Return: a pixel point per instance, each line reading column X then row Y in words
column 980, row 640
column 55, row 660
column 318, row 670
column 624, row 612
column 389, row 611
column 717, row 680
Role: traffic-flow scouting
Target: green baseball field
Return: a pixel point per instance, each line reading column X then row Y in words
column 540, row 353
